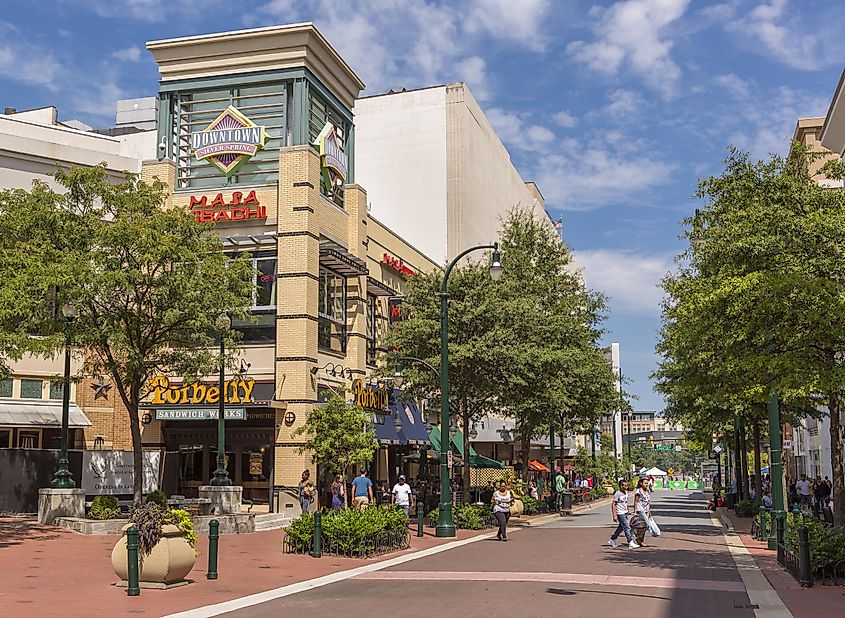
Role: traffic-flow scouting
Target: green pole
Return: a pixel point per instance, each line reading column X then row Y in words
column 805, row 571
column 775, row 466
column 133, row 588
column 221, row 475
column 63, row 479
column 317, row 546
column 593, row 444
column 213, row 541
column 445, row 524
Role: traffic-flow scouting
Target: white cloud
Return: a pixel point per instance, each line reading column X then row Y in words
column 624, row 103
column 565, row 119
column 771, row 29
column 631, row 280
column 634, row 34
column 154, row 11
column 25, row 62
column 516, row 132
column 130, row 54
column 737, row 86
column 521, row 22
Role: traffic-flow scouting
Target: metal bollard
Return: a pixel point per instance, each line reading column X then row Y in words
column 317, row 547
column 213, row 542
column 420, row 515
column 761, row 533
column 779, row 534
column 805, row 571
column 133, row 589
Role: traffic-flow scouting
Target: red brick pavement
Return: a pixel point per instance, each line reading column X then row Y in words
column 815, row 602
column 49, row 571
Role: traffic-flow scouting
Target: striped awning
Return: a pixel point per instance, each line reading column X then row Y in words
column 18, row 413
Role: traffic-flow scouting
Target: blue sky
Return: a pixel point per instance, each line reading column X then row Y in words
column 614, row 108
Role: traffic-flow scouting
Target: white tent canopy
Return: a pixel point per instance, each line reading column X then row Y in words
column 654, row 472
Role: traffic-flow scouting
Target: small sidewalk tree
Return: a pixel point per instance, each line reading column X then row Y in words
column 337, row 435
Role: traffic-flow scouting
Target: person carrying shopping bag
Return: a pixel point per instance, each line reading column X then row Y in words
column 642, row 506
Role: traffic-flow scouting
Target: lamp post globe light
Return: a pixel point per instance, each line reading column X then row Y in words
column 63, row 479
column 445, row 525
column 221, row 475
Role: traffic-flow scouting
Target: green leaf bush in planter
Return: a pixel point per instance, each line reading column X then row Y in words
column 104, row 507
column 746, row 508
column 465, row 517
column 530, row 506
column 348, row 531
column 158, row 497
column 182, row 520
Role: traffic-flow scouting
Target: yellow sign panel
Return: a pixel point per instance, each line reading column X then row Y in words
column 234, row 391
column 368, row 397
column 671, row 471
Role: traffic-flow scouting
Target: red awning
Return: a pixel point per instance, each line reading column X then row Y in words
column 537, row 466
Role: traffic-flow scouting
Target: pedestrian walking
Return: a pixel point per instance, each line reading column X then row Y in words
column 560, row 487
column 338, row 493
column 804, row 487
column 619, row 510
column 642, row 506
column 402, row 495
column 362, row 491
column 501, row 502
column 306, row 491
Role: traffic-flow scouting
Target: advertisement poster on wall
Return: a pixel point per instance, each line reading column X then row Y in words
column 110, row 472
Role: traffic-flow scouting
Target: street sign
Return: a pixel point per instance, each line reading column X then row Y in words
column 787, row 445
column 671, row 471
column 449, row 458
column 678, row 447
column 717, row 449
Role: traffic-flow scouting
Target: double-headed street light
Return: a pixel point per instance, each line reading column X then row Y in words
column 63, row 479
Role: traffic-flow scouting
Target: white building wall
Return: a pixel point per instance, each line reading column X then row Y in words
column 400, row 157
column 435, row 171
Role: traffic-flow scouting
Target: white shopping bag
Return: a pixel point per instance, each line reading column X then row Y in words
column 653, row 527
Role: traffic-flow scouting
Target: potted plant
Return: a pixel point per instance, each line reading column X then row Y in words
column 166, row 541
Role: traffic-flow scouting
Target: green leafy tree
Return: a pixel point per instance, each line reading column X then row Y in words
column 149, row 283
column 760, row 302
column 337, row 436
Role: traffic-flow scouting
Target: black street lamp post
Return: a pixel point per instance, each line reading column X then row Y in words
column 63, row 479
column 221, row 475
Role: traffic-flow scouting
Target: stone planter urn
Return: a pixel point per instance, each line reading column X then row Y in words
column 608, row 489
column 170, row 561
column 517, row 507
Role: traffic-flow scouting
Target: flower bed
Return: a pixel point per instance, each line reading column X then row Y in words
column 350, row 533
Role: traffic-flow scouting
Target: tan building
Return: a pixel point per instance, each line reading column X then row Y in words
column 807, row 133
column 325, row 269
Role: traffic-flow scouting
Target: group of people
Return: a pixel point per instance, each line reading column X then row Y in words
column 633, row 526
column 810, row 496
column 361, row 492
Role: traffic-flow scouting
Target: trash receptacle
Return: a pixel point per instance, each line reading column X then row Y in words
column 730, row 500
column 566, row 501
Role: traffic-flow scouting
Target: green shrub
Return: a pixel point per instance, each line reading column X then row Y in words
column 148, row 518
column 158, row 497
column 530, row 506
column 104, row 507
column 746, row 508
column 827, row 544
column 349, row 531
column 465, row 517
column 182, row 520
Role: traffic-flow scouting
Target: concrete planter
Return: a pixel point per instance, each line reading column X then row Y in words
column 608, row 490
column 170, row 561
column 517, row 508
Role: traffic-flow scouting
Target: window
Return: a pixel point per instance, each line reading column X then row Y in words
column 265, row 279
column 6, row 387
column 29, row 438
column 331, row 331
column 261, row 328
column 5, row 438
column 319, row 113
column 57, row 389
column 32, row 389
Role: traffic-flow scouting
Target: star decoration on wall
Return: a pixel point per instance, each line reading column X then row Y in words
column 101, row 389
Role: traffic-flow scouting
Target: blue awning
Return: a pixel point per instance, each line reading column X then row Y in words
column 385, row 431
column 413, row 426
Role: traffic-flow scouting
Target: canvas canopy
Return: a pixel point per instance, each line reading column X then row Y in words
column 654, row 472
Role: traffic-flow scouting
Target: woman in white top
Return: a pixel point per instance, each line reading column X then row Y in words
column 642, row 502
column 501, row 502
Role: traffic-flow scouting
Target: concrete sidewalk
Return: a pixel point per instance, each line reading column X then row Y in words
column 51, row 571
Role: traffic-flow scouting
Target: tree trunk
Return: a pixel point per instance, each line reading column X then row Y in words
column 525, row 442
column 137, row 453
column 746, row 493
column 758, row 480
column 836, row 437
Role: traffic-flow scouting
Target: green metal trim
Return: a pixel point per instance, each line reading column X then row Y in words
column 230, row 81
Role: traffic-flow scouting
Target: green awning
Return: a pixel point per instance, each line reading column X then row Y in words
column 475, row 460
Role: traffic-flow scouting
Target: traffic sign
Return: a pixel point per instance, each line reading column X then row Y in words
column 678, row 447
column 717, row 448
column 449, row 458
column 671, row 471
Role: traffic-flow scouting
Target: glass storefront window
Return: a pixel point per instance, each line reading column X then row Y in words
column 265, row 279
column 255, row 464
column 32, row 389
column 6, row 387
column 372, row 313
column 57, row 389
column 5, row 438
column 332, row 311
column 190, row 463
column 29, row 438
column 230, row 464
